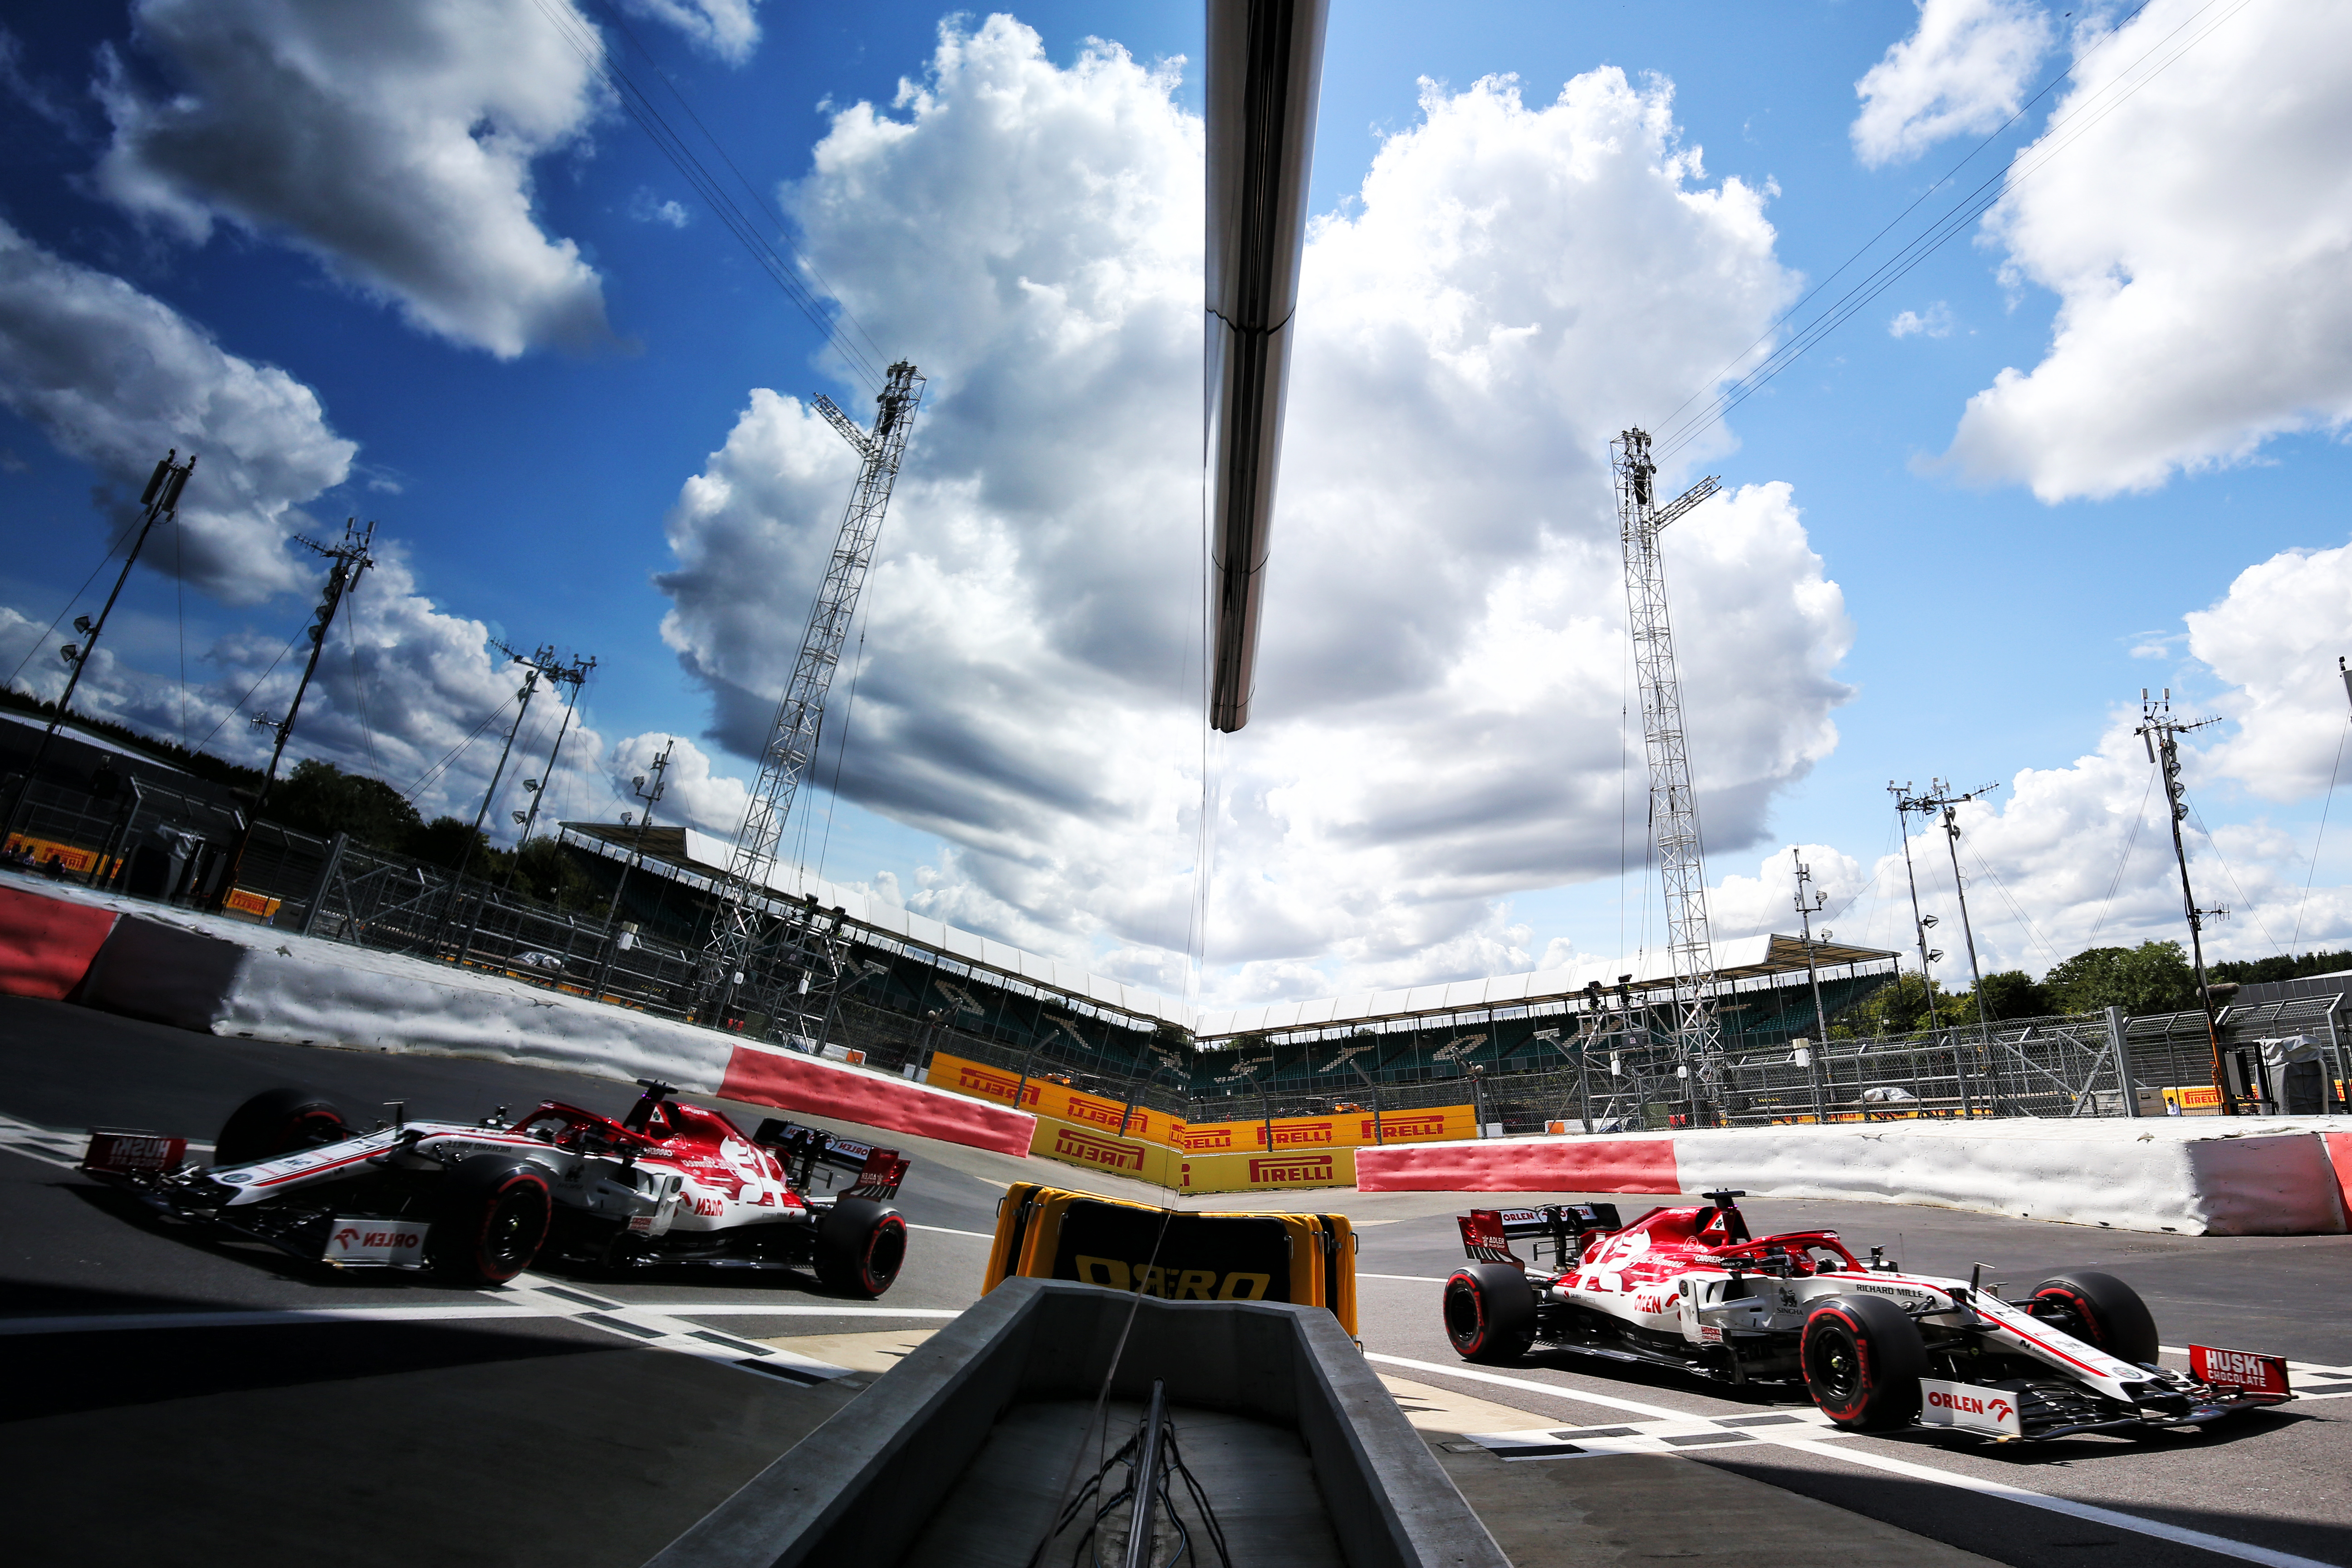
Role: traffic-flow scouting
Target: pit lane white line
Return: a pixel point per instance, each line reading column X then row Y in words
column 950, row 1230
column 2108, row 1517
column 1409, row 1278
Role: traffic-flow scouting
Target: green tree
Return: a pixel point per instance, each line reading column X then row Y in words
column 443, row 841
column 1896, row 1009
column 2153, row 977
column 320, row 798
column 2013, row 993
column 551, row 874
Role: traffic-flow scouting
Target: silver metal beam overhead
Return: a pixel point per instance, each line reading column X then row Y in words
column 1264, row 73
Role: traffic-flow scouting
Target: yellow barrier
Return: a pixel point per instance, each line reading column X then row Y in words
column 1046, row 1098
column 1098, row 1150
column 1266, row 1172
column 1351, row 1130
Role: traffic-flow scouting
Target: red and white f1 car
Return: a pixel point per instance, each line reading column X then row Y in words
column 1874, row 1347
column 478, row 1203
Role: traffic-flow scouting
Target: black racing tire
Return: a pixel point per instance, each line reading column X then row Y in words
column 1863, row 1359
column 2101, row 1310
column 861, row 1245
column 489, row 1220
column 1490, row 1312
column 277, row 1122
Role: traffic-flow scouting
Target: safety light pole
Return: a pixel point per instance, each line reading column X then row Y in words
column 1806, row 910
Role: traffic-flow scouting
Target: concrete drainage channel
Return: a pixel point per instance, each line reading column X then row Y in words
column 987, row 1444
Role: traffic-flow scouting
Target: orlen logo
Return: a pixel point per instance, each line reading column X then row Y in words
column 1970, row 1405
column 351, row 1236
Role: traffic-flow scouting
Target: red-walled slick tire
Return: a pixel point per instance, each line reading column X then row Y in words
column 277, row 1122
column 1863, row 1358
column 490, row 1222
column 2100, row 1310
column 860, row 1247
column 1490, row 1312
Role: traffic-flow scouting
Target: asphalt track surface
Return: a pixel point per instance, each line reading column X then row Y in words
column 173, row 1401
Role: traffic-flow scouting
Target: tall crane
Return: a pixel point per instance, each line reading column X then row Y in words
column 1673, row 805
column 740, row 923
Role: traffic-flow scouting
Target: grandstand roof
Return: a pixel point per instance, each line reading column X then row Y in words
column 1744, row 963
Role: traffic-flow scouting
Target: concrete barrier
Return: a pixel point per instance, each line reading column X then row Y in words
column 2244, row 1176
column 768, row 1075
column 1612, row 1164
column 223, row 977
column 46, row 944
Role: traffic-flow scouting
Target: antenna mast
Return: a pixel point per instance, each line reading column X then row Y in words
column 739, row 923
column 349, row 558
column 2161, row 733
column 1673, row 807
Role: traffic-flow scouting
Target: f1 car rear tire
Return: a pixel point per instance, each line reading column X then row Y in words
column 277, row 1122
column 2099, row 1310
column 1863, row 1359
column 860, row 1247
column 490, row 1221
column 1490, row 1312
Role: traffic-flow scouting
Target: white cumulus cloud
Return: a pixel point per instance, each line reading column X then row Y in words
column 727, row 29
column 1438, row 712
column 393, row 142
column 1962, row 72
column 2191, row 207
column 115, row 377
column 1936, row 322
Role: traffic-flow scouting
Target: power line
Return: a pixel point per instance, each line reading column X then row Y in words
column 2326, row 802
column 642, row 108
column 2138, row 821
column 1955, row 219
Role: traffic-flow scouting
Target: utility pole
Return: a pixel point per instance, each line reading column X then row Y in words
column 660, row 768
column 1919, row 922
column 2161, row 733
column 574, row 676
column 1806, row 908
column 350, row 559
column 160, row 500
column 739, row 923
column 1938, row 800
column 1674, row 804
column 465, row 857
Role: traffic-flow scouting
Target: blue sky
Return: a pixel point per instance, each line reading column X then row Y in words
column 528, row 483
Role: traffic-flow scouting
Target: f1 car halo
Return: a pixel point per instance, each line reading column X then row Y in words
column 1874, row 1347
column 478, row 1203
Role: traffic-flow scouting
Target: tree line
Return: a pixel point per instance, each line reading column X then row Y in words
column 2154, row 977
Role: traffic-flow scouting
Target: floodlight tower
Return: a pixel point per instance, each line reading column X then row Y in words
column 1673, row 805
column 737, row 925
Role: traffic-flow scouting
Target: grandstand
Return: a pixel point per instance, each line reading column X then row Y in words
column 922, row 987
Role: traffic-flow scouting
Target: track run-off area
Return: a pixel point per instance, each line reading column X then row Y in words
column 175, row 1401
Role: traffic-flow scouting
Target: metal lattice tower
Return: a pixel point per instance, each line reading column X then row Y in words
column 1673, row 807
column 740, row 923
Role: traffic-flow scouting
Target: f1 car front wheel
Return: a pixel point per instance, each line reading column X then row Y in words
column 1490, row 1312
column 860, row 1247
column 491, row 1220
column 2098, row 1309
column 277, row 1122
column 1863, row 1359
